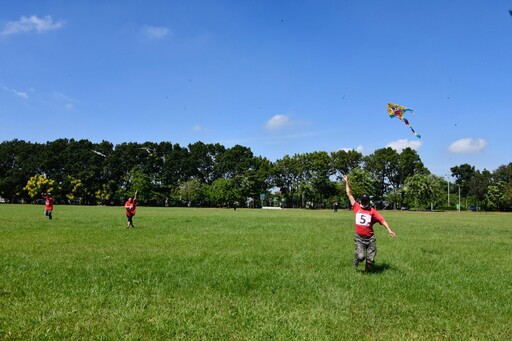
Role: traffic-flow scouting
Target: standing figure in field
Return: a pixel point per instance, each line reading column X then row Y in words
column 48, row 204
column 131, row 206
column 364, row 239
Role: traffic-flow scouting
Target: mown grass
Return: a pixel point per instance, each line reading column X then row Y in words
column 193, row 274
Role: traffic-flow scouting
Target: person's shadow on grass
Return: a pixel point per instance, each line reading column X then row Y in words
column 377, row 269
column 380, row 268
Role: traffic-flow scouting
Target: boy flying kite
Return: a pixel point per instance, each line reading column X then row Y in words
column 364, row 239
column 131, row 207
column 48, row 205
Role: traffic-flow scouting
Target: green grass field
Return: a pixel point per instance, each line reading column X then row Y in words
column 192, row 274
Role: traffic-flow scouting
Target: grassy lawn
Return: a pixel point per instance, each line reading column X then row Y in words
column 213, row 274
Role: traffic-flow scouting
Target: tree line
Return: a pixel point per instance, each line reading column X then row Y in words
column 211, row 175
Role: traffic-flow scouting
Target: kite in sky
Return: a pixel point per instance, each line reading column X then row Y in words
column 395, row 110
column 100, row 154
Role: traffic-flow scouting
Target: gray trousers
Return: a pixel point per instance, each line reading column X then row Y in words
column 365, row 248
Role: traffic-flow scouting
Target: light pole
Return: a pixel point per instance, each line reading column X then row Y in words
column 459, row 197
column 448, row 192
column 448, row 181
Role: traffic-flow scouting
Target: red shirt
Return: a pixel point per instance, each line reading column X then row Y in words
column 130, row 207
column 48, row 203
column 365, row 218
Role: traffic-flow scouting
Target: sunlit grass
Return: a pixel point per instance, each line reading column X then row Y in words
column 250, row 274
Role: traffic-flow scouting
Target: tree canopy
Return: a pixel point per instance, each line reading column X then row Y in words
column 83, row 172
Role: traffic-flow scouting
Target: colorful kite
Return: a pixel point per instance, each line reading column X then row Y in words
column 395, row 110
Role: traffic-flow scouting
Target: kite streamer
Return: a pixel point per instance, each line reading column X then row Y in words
column 395, row 110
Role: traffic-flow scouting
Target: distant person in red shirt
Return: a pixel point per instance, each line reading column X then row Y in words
column 48, row 204
column 131, row 207
column 364, row 239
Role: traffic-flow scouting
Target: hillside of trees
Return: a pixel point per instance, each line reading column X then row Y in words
column 211, row 175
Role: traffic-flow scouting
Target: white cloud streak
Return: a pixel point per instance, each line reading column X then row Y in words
column 69, row 103
column 277, row 122
column 18, row 93
column 154, row 32
column 198, row 127
column 29, row 24
column 467, row 146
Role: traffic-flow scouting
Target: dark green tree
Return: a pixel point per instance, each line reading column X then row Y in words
column 203, row 158
column 463, row 175
column 383, row 164
column 288, row 177
column 424, row 190
column 343, row 162
column 19, row 161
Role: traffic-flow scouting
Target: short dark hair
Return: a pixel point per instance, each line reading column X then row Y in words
column 365, row 200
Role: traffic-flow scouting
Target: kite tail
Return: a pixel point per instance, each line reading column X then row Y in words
column 413, row 131
column 416, row 134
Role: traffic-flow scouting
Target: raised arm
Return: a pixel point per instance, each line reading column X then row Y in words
column 349, row 191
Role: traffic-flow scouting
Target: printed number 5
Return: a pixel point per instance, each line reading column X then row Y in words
column 363, row 219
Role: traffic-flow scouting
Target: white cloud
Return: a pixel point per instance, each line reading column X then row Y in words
column 18, row 93
column 468, row 145
column 400, row 145
column 359, row 149
column 63, row 97
column 277, row 122
column 32, row 23
column 69, row 103
column 154, row 32
column 198, row 127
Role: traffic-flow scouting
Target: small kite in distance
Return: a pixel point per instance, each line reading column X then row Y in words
column 395, row 110
column 150, row 151
column 100, row 154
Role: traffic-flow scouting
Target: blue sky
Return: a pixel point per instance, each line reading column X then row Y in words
column 279, row 77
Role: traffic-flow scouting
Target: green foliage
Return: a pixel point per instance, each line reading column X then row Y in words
column 383, row 164
column 361, row 182
column 103, row 194
column 495, row 197
column 463, row 175
column 423, row 190
column 39, row 184
column 90, row 173
column 343, row 162
column 76, row 190
column 223, row 192
column 140, row 182
column 192, row 191
column 19, row 161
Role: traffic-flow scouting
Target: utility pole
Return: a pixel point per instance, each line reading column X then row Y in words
column 447, row 177
column 459, row 197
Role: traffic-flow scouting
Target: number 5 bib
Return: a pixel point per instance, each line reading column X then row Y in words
column 363, row 219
